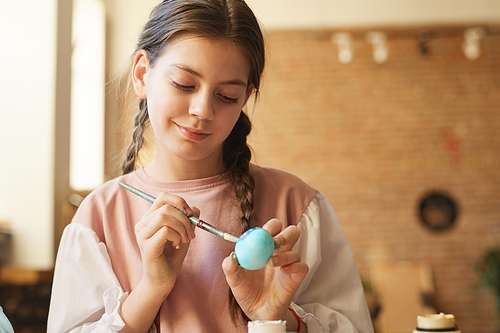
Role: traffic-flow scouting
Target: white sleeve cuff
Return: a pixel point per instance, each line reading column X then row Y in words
column 110, row 321
column 313, row 323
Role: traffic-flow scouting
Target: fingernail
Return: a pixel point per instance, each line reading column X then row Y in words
column 271, row 262
column 234, row 258
column 274, row 261
column 278, row 242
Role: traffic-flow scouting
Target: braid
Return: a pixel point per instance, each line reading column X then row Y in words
column 236, row 158
column 132, row 153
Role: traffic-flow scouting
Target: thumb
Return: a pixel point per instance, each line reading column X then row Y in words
column 196, row 211
column 232, row 270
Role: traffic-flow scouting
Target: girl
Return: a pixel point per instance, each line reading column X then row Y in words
column 126, row 265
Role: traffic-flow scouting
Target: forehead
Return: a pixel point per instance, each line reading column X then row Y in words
column 206, row 56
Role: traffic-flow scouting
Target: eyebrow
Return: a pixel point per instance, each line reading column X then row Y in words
column 189, row 70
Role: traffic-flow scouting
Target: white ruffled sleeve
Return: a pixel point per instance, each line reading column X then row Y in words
column 331, row 297
column 86, row 294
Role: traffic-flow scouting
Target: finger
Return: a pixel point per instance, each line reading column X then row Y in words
column 173, row 237
column 168, row 203
column 286, row 239
column 153, row 247
column 232, row 270
column 196, row 213
column 163, row 218
column 296, row 271
column 144, row 221
column 171, row 200
column 180, row 223
column 178, row 208
column 274, row 226
column 286, row 258
column 174, row 200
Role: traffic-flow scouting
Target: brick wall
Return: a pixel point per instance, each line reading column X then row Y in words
column 374, row 138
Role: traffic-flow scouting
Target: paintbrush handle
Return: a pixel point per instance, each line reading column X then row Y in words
column 194, row 220
column 210, row 228
column 137, row 192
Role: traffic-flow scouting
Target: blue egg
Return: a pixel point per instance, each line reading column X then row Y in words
column 254, row 248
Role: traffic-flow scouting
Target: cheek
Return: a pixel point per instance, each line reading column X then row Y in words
column 159, row 119
column 230, row 121
column 163, row 108
column 153, row 113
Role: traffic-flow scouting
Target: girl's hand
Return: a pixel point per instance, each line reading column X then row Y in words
column 163, row 236
column 265, row 294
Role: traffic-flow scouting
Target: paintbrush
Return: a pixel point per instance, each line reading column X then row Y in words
column 194, row 220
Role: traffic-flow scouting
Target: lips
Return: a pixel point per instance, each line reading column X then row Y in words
column 193, row 134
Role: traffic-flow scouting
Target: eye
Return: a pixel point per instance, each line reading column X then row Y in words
column 181, row 86
column 228, row 100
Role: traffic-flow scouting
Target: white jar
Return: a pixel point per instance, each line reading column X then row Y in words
column 436, row 323
column 267, row 326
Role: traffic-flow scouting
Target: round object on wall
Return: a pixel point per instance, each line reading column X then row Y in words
column 437, row 211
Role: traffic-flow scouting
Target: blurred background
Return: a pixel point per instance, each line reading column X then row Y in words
column 390, row 108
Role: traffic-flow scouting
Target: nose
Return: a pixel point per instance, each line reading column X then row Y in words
column 202, row 106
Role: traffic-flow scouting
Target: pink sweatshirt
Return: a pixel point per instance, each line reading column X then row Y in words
column 104, row 226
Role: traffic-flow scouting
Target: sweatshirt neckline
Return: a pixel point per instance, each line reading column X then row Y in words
column 182, row 185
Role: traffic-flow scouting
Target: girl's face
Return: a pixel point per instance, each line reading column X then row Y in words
column 195, row 92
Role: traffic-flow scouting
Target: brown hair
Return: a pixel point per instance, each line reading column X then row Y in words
column 231, row 20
